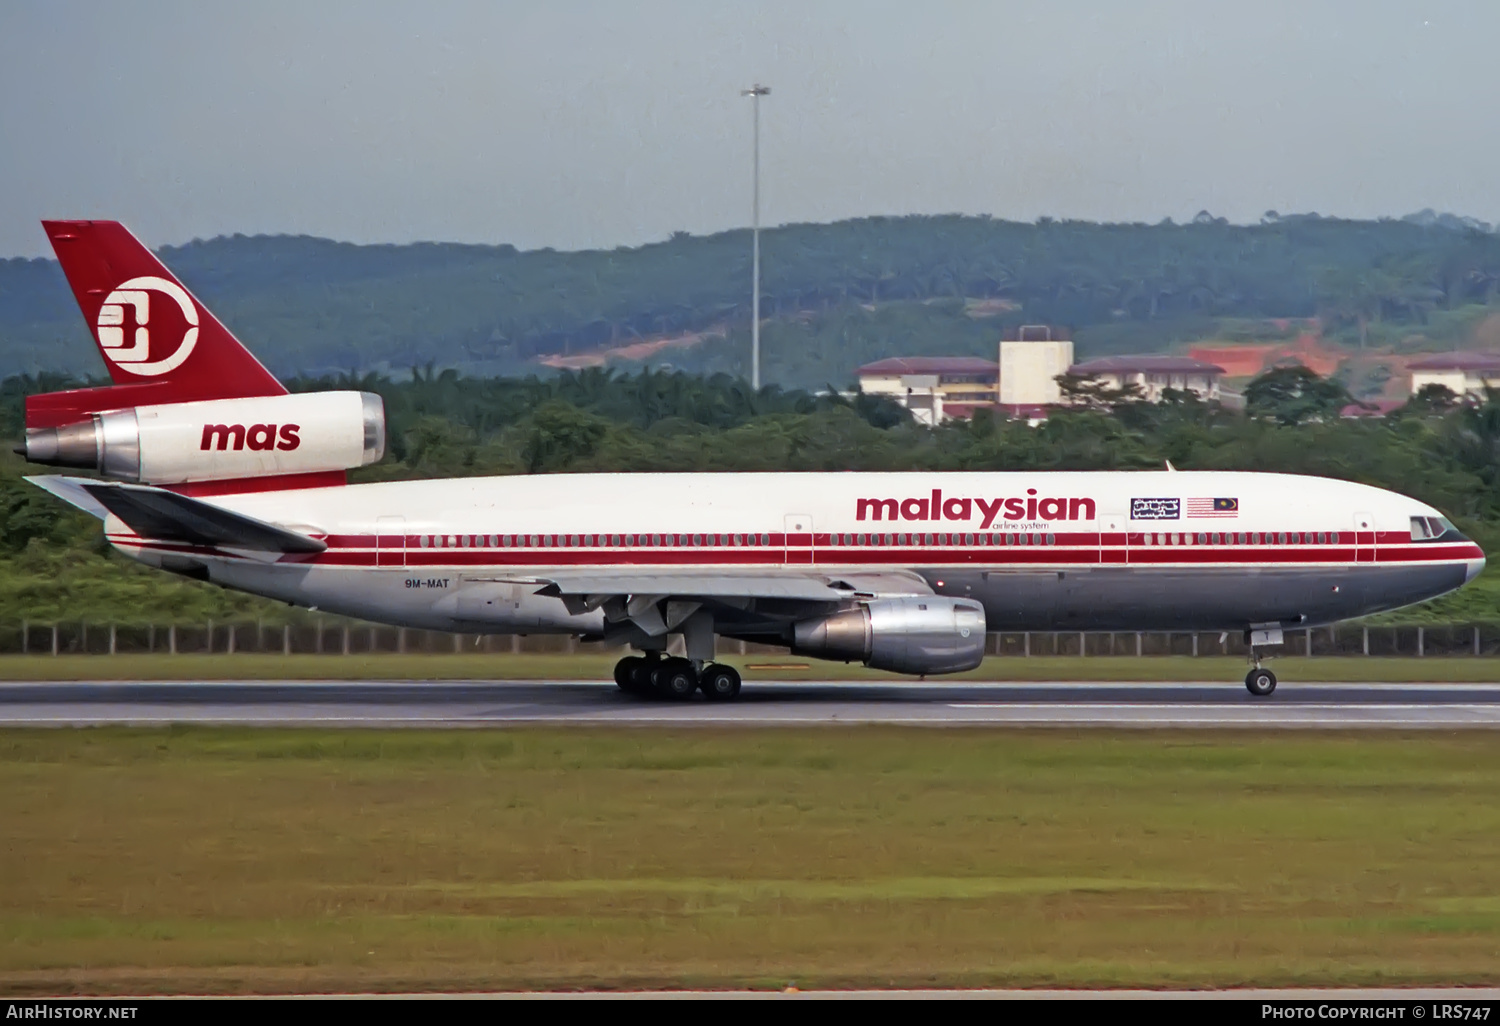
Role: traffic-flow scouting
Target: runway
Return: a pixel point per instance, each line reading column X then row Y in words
column 594, row 704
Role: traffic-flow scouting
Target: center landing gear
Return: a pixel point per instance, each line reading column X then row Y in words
column 676, row 679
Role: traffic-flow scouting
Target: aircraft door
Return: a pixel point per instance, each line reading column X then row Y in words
column 1364, row 538
column 1113, row 541
column 798, row 538
column 390, row 541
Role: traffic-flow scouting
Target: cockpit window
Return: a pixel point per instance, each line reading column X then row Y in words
column 1432, row 528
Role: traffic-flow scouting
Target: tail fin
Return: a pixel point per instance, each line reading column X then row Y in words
column 160, row 344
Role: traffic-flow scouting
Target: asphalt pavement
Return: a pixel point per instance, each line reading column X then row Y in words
column 594, row 704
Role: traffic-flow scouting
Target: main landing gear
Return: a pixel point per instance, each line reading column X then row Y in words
column 651, row 676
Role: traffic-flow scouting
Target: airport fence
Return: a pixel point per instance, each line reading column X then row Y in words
column 335, row 638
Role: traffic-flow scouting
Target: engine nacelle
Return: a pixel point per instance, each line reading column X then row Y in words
column 916, row 634
column 220, row 439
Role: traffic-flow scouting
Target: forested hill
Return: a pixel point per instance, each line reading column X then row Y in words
column 314, row 306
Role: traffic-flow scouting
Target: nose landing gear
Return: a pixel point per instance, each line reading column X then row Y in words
column 1260, row 682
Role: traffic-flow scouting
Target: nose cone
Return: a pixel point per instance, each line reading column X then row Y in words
column 1473, row 568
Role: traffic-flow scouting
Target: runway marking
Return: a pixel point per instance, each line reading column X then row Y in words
column 1262, row 704
column 594, row 705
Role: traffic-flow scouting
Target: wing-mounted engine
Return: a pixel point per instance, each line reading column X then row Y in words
column 220, row 439
column 910, row 634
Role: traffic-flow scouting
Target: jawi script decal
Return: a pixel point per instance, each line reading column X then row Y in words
column 935, row 507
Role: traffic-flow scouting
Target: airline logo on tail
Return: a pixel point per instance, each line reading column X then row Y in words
column 150, row 330
column 131, row 351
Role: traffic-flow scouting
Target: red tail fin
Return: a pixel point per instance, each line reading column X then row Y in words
column 161, row 345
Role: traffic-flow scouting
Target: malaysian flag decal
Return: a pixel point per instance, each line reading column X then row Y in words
column 1211, row 507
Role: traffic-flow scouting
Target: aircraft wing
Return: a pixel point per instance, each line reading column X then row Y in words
column 710, row 585
column 792, row 584
column 805, row 584
column 653, row 602
column 163, row 515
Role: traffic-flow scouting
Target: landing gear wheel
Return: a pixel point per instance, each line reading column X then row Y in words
column 1260, row 682
column 720, row 683
column 627, row 674
column 675, row 679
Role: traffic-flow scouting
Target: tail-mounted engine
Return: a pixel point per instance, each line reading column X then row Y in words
column 220, row 439
column 918, row 634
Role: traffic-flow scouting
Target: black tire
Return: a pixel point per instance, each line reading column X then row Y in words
column 642, row 677
column 675, row 679
column 720, row 683
column 627, row 674
column 1260, row 683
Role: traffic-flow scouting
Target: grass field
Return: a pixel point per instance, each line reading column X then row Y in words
column 248, row 666
column 281, row 860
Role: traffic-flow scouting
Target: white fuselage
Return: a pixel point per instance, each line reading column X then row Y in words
column 1085, row 550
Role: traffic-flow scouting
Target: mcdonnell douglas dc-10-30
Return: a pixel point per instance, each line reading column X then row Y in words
column 209, row 468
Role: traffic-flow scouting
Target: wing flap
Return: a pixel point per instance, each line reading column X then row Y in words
column 796, row 586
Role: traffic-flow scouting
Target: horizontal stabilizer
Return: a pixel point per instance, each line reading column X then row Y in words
column 71, row 490
column 166, row 516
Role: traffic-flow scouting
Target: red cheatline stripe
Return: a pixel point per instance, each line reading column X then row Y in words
column 915, row 540
column 998, row 556
column 927, row 560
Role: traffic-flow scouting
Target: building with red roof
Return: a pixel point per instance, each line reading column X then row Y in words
column 925, row 385
column 1462, row 373
column 1154, row 374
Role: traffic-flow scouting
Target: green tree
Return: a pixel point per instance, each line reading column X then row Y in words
column 1295, row 395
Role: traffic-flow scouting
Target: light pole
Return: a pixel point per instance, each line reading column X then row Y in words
column 755, row 92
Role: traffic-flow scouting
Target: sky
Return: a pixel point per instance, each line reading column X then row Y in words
column 576, row 124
